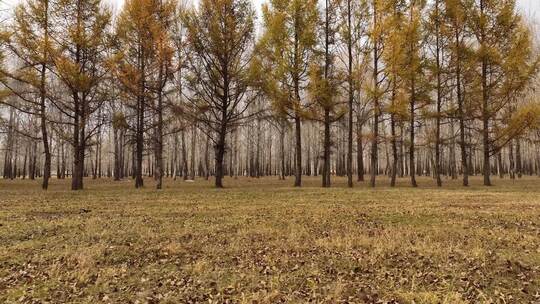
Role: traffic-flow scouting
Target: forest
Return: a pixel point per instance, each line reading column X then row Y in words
column 371, row 90
column 269, row 151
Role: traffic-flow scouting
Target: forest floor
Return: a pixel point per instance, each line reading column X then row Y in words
column 262, row 241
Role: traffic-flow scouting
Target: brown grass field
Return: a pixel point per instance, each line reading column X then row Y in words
column 262, row 241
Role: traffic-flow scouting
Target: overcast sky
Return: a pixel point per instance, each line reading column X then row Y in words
column 529, row 8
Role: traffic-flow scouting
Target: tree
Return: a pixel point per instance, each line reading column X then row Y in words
column 220, row 37
column 415, row 83
column 287, row 42
column 80, row 65
column 324, row 81
column 376, row 36
column 29, row 41
column 436, row 22
column 164, row 51
column 143, row 67
column 395, row 60
column 352, row 29
column 503, row 49
column 455, row 16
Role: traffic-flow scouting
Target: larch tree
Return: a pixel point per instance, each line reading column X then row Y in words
column 179, row 121
column 435, row 26
column 376, row 92
column 413, row 74
column 288, row 41
column 353, row 19
column 278, row 93
column 459, row 50
column 29, row 41
column 82, row 28
column 144, row 52
column 394, row 58
column 500, row 42
column 324, row 81
column 220, row 41
column 517, row 114
column 162, row 33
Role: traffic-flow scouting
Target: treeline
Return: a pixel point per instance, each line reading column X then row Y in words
column 441, row 88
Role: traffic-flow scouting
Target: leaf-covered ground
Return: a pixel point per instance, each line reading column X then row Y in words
column 261, row 241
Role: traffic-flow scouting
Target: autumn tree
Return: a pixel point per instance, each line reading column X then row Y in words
column 220, row 39
column 143, row 66
column 413, row 71
column 162, row 32
column 324, row 81
column 82, row 28
column 436, row 26
column 395, row 59
column 353, row 24
column 376, row 37
column 28, row 40
column 288, row 41
column 503, row 56
column 459, row 50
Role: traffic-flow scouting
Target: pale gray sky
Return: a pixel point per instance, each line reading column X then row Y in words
column 529, row 8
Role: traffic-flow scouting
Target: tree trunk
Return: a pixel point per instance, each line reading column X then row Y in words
column 159, row 136
column 512, row 164
column 359, row 150
column 298, row 169
column 412, row 134
column 192, row 156
column 461, row 113
column 44, row 133
column 220, row 153
column 139, row 146
column 282, row 151
column 519, row 165
column 326, row 152
column 439, row 101
column 184, row 156
column 351, row 95
column 376, row 110
column 485, row 110
column 395, row 157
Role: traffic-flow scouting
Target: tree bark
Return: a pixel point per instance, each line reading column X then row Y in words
column 351, row 95
column 376, row 110
column 439, row 100
column 220, row 153
column 326, row 152
column 298, row 168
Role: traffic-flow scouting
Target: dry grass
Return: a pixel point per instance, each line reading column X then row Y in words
column 261, row 241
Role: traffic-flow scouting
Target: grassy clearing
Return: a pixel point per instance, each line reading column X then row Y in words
column 261, row 241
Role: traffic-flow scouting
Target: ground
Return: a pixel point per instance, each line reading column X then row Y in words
column 262, row 241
